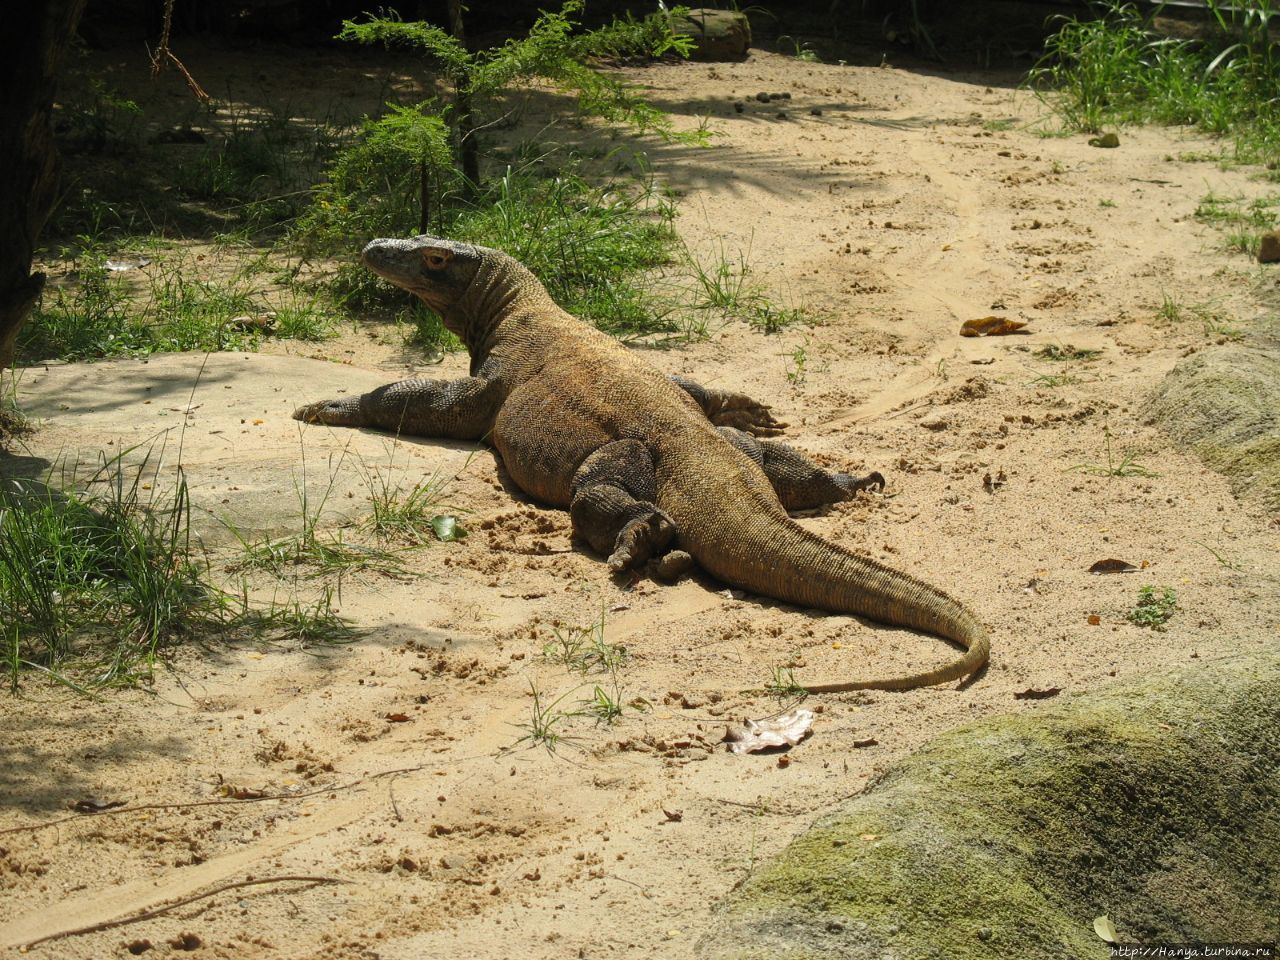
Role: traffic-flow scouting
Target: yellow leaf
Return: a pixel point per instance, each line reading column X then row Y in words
column 1104, row 928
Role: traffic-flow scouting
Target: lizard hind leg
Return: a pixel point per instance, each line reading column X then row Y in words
column 612, row 506
column 799, row 482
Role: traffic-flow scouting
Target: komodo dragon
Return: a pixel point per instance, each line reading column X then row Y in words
column 641, row 461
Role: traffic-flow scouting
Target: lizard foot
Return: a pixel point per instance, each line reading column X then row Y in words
column 673, row 565
column 872, row 481
column 336, row 413
column 641, row 539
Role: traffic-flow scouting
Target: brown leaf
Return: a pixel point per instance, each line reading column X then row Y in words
column 991, row 327
column 784, row 730
column 1112, row 565
column 1037, row 693
column 397, row 718
column 1093, row 620
column 673, row 816
column 868, row 742
column 240, row 793
column 95, row 805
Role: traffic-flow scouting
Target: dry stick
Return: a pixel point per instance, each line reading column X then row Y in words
column 216, row 803
column 158, row 911
column 163, row 53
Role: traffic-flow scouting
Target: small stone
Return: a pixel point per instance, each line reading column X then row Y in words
column 936, row 424
column 984, row 933
column 1269, row 248
column 738, row 106
column 762, row 97
column 815, row 111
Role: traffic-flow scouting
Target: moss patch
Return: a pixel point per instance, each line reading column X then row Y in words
column 1157, row 803
column 1224, row 404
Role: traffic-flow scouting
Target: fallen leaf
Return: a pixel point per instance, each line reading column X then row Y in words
column 784, row 730
column 1104, row 928
column 1094, row 620
column 397, row 718
column 1106, row 141
column 240, row 793
column 868, row 742
column 1037, row 693
column 1112, row 566
column 259, row 422
column 94, row 805
column 673, row 816
column 447, row 528
column 991, row 327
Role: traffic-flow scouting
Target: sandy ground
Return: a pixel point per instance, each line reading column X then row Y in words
column 910, row 203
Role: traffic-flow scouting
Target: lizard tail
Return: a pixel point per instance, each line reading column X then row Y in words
column 780, row 559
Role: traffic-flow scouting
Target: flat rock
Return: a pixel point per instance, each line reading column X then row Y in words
column 227, row 419
column 1156, row 802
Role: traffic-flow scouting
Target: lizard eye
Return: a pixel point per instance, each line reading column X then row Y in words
column 435, row 261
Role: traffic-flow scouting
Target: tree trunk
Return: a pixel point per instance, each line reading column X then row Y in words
column 35, row 37
column 468, row 149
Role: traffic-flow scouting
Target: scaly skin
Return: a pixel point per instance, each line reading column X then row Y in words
column 641, row 461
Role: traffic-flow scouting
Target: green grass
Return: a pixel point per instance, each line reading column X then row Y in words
column 170, row 304
column 1243, row 220
column 546, row 720
column 782, row 684
column 1153, row 610
column 99, row 577
column 413, row 513
column 94, row 585
column 585, row 649
column 1114, row 69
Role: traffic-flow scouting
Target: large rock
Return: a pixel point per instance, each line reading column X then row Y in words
column 1154, row 802
column 718, row 34
column 1224, row 403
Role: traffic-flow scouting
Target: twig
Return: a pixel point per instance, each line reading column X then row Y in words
column 159, row 911
column 163, row 54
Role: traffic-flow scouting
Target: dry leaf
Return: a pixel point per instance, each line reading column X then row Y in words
column 94, row 805
column 784, row 730
column 991, row 327
column 673, row 816
column 1094, row 620
column 397, row 718
column 1037, row 693
column 1112, row 566
column 1104, row 928
column 240, row 793
column 869, row 742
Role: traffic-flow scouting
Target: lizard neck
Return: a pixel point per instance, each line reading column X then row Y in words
column 502, row 290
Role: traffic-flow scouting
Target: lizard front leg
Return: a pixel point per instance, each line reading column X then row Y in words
column 725, row 408
column 458, row 409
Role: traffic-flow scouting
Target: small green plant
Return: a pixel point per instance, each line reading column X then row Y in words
column 1154, row 609
column 1052, row 381
column 585, row 649
column 12, row 420
column 545, row 721
column 605, row 705
column 323, row 552
column 1128, row 466
column 801, row 50
column 1106, row 203
column 1065, row 352
column 411, row 515
column 782, row 684
column 796, row 362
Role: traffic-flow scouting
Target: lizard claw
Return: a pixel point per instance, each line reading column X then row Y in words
column 641, row 539
column 872, row 481
column 336, row 413
column 750, row 416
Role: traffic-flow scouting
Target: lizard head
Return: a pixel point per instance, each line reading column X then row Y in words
column 437, row 271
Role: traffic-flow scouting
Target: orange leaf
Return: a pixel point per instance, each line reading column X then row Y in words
column 991, row 327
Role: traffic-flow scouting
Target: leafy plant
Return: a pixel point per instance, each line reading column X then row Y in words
column 782, row 684
column 545, row 720
column 550, row 51
column 1153, row 609
column 585, row 649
